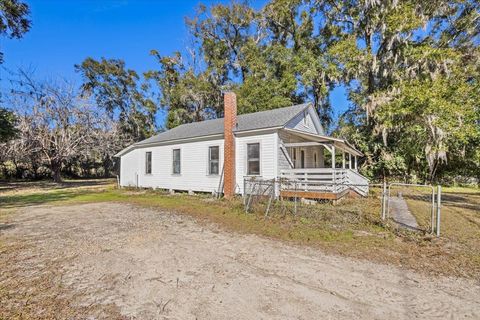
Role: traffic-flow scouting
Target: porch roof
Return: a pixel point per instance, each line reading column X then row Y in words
column 336, row 142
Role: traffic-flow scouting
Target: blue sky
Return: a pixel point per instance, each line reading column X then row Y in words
column 64, row 33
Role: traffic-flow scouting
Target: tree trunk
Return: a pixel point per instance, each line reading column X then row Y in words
column 56, row 168
column 107, row 164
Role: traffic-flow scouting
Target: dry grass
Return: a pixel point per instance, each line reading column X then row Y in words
column 460, row 224
column 36, row 292
column 352, row 228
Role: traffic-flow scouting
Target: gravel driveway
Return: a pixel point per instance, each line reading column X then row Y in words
column 119, row 261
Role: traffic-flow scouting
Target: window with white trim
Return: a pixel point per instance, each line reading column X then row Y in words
column 253, row 159
column 148, row 162
column 176, row 163
column 213, row 160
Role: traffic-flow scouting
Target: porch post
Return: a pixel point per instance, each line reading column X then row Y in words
column 321, row 153
column 333, row 156
column 343, row 159
column 356, row 168
column 349, row 161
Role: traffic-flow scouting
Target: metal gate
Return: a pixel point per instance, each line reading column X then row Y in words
column 434, row 195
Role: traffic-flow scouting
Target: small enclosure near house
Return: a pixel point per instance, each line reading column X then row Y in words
column 348, row 215
column 413, row 206
column 262, row 195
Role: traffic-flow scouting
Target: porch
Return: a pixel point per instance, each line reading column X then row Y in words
column 318, row 167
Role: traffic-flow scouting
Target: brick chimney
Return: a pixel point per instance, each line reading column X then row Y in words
column 230, row 122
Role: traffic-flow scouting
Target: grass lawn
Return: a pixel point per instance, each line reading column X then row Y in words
column 352, row 228
column 459, row 222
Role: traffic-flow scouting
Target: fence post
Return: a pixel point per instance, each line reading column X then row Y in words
column 244, row 191
column 295, row 204
column 439, row 205
column 387, row 212
column 433, row 210
column 384, row 194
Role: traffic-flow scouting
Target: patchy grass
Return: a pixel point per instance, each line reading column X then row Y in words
column 459, row 222
column 22, row 194
column 352, row 228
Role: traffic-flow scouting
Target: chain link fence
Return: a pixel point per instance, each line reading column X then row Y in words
column 410, row 206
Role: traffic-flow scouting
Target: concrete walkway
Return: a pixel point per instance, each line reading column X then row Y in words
column 401, row 215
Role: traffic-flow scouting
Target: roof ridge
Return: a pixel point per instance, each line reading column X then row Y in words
column 269, row 110
column 244, row 114
column 246, row 121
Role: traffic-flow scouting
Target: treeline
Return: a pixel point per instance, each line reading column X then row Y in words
column 58, row 131
column 411, row 70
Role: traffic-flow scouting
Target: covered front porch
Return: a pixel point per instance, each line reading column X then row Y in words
column 320, row 167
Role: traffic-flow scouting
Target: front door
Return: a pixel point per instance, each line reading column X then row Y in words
column 302, row 159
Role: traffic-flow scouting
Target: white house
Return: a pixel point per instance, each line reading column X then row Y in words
column 217, row 155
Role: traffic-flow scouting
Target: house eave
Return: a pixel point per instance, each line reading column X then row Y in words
column 192, row 139
column 344, row 143
column 167, row 142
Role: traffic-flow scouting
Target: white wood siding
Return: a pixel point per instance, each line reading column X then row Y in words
column 194, row 160
column 268, row 157
column 194, row 167
column 283, row 164
column 129, row 168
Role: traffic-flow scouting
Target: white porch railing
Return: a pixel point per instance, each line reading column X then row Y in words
column 324, row 180
column 358, row 182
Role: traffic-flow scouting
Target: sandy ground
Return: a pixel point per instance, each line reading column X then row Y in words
column 157, row 265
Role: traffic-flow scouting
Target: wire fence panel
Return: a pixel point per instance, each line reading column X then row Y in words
column 290, row 195
column 412, row 206
column 259, row 194
column 460, row 216
column 453, row 212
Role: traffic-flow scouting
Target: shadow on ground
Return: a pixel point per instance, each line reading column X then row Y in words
column 470, row 201
column 19, row 201
column 22, row 194
column 48, row 184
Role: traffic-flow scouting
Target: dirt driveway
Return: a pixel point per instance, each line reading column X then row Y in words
column 119, row 261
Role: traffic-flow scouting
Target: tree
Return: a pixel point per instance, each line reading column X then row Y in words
column 14, row 22
column 190, row 96
column 411, row 70
column 387, row 52
column 7, row 125
column 271, row 57
column 118, row 90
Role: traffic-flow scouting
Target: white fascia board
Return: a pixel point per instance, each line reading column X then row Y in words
column 257, row 131
column 316, row 120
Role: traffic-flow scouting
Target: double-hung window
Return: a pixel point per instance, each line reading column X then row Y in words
column 213, row 160
column 148, row 162
column 253, row 159
column 176, row 164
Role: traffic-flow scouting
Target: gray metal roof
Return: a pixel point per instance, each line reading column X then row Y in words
column 245, row 122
